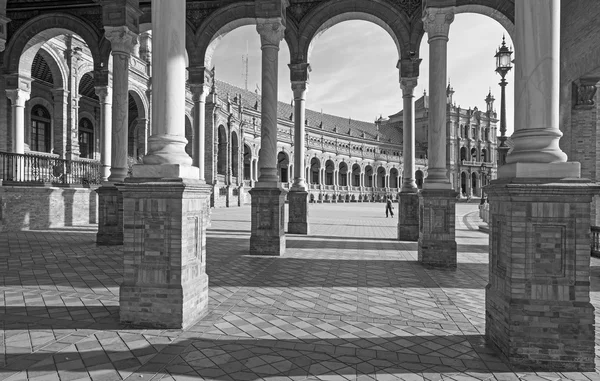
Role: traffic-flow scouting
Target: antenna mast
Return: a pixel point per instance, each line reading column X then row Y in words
column 245, row 67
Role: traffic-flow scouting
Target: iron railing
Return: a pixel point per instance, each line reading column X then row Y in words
column 32, row 168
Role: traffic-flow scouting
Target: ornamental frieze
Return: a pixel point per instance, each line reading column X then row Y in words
column 298, row 9
column 198, row 12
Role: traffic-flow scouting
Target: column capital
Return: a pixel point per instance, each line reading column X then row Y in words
column 18, row 97
column 60, row 95
column 299, row 72
column 408, row 84
column 104, row 93
column 299, row 88
column 436, row 21
column 271, row 31
column 122, row 39
column 199, row 92
column 584, row 90
column 199, row 75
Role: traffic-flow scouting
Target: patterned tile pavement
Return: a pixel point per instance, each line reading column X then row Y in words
column 347, row 302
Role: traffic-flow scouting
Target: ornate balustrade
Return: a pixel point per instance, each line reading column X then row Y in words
column 595, row 241
column 41, row 169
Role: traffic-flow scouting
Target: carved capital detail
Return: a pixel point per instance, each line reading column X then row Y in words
column 122, row 39
column 199, row 92
column 436, row 22
column 18, row 97
column 584, row 91
column 299, row 88
column 408, row 84
column 299, row 72
column 271, row 31
column 104, row 93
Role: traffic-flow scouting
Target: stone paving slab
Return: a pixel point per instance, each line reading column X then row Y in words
column 348, row 302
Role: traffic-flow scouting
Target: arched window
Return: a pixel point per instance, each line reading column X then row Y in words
column 41, row 134
column 86, row 138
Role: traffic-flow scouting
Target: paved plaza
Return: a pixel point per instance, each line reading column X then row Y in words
column 346, row 302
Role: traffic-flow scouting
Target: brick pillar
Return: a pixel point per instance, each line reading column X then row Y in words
column 437, row 244
column 538, row 310
column 165, row 283
column 268, row 220
column 408, row 216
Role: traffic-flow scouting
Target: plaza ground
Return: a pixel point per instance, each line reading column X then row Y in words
column 346, row 302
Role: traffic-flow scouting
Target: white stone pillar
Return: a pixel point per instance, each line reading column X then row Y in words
column 299, row 88
column 537, row 89
column 122, row 41
column 199, row 97
column 271, row 33
column 408, row 131
column 166, row 147
column 104, row 94
column 437, row 25
column 18, row 98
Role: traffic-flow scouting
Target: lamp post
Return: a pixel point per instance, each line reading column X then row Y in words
column 484, row 175
column 503, row 66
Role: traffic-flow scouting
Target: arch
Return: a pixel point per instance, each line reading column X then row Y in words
column 235, row 147
column 328, row 14
column 381, row 174
column 463, row 184
column 283, row 163
column 474, row 155
column 356, row 171
column 86, row 135
column 247, row 162
column 419, row 178
column 463, row 154
column 484, row 155
column 343, row 174
column 315, row 167
column 394, row 177
column 329, row 172
column 27, row 40
column 33, row 102
column 141, row 102
column 217, row 25
column 368, row 176
column 222, row 150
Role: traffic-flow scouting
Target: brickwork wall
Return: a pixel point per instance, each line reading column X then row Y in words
column 30, row 208
column 538, row 310
column 437, row 243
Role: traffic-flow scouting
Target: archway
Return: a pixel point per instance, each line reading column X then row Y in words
column 369, row 176
column 419, row 178
column 381, row 175
column 283, row 162
column 394, row 178
column 329, row 171
column 343, row 174
column 463, row 184
column 221, row 151
column 315, row 166
column 235, row 162
column 474, row 187
column 463, row 154
column 356, row 175
column 474, row 155
column 247, row 163
column 484, row 155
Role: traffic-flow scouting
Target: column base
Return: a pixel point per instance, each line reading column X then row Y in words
column 437, row 213
column 267, row 236
column 408, row 216
column 298, row 212
column 110, row 216
column 538, row 312
column 164, row 254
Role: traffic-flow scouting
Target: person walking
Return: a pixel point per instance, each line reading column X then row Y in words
column 389, row 207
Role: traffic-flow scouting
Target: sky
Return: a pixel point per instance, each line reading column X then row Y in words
column 354, row 70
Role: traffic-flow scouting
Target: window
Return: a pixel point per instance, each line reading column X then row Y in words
column 86, row 138
column 40, row 129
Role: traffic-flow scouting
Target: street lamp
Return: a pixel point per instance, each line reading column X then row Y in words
column 484, row 175
column 503, row 66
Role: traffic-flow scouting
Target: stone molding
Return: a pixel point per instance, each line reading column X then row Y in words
column 409, row 67
column 436, row 22
column 104, row 93
column 122, row 39
column 199, row 92
column 271, row 32
column 299, row 88
column 299, row 72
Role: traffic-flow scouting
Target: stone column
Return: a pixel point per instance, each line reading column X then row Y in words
column 18, row 98
column 437, row 200
column 166, row 206
column 199, row 97
column 267, row 235
column 538, row 310
column 104, row 94
column 122, row 41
